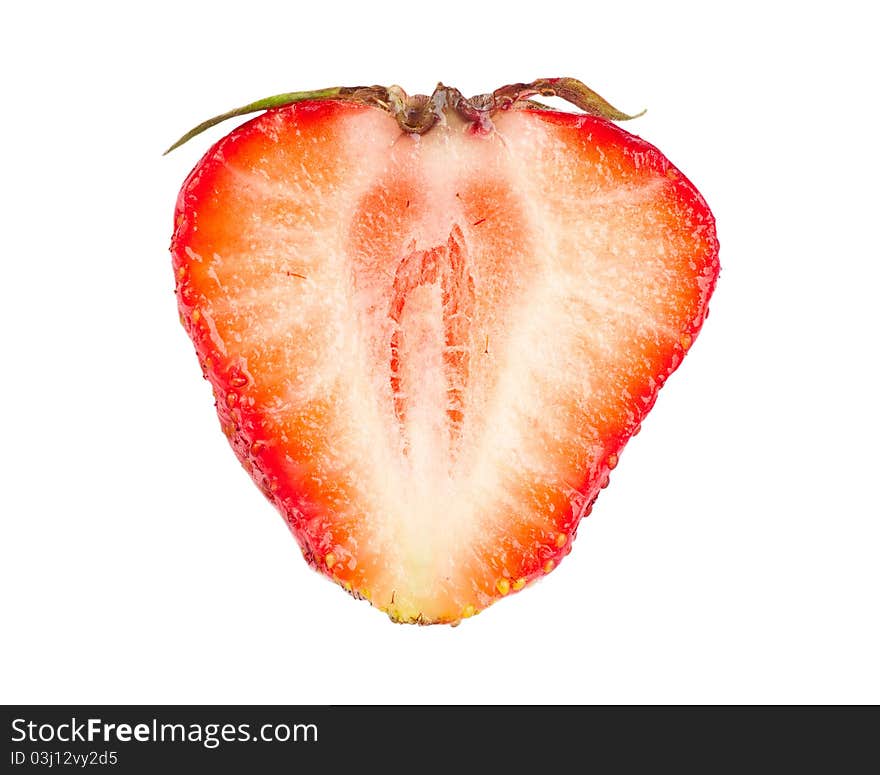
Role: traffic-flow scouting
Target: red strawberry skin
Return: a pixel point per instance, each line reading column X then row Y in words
column 429, row 352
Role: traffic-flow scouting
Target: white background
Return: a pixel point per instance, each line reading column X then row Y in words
column 734, row 557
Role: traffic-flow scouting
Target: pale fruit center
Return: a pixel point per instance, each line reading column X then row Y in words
column 431, row 309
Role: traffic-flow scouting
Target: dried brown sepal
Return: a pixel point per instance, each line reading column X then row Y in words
column 416, row 114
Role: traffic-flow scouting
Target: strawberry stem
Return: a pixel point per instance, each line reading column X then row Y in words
column 416, row 114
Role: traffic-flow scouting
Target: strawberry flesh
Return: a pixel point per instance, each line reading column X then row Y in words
column 429, row 351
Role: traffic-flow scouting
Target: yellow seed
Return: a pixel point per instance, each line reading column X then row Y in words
column 561, row 539
column 671, row 173
column 686, row 340
column 468, row 611
column 612, row 461
column 196, row 315
column 181, row 271
column 347, row 586
column 503, row 586
column 330, row 560
column 549, row 565
column 365, row 594
column 231, row 398
column 519, row 584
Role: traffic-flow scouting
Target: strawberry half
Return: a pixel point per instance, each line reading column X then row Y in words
column 432, row 324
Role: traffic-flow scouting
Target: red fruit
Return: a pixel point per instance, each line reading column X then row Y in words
column 432, row 325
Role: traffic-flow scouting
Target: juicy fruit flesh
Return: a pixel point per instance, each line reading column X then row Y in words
column 429, row 350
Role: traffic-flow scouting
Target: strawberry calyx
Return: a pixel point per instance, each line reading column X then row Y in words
column 418, row 113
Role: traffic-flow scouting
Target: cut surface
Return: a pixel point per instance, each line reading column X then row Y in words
column 430, row 350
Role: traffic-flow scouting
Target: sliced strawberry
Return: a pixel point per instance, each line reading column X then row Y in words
column 429, row 350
